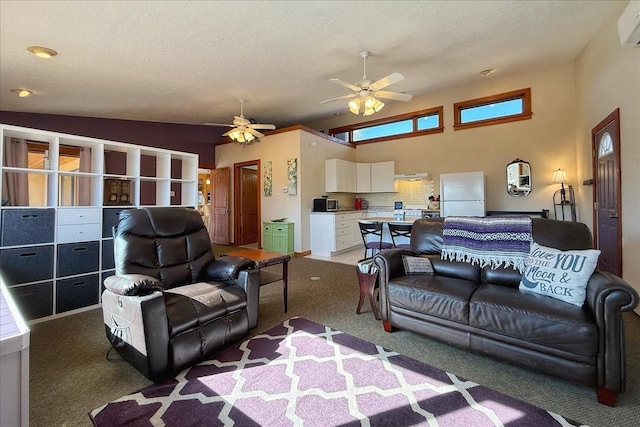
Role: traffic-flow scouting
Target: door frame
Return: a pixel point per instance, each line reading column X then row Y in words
column 614, row 116
column 237, row 191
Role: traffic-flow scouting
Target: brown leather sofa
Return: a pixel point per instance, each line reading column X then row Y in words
column 171, row 303
column 482, row 309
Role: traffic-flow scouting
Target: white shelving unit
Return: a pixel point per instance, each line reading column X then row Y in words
column 55, row 221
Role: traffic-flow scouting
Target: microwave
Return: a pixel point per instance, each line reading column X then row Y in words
column 325, row 205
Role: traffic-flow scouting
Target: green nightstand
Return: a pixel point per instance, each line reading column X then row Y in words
column 277, row 237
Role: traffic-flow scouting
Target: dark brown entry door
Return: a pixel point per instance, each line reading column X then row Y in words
column 248, row 206
column 219, row 225
column 606, row 193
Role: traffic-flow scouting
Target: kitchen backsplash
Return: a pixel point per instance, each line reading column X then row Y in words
column 409, row 192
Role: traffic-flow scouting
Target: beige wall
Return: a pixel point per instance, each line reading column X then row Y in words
column 546, row 141
column 311, row 150
column 608, row 77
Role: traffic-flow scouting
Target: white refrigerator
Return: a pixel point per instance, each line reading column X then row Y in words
column 462, row 194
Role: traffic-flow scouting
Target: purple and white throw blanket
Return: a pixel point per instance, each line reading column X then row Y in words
column 492, row 241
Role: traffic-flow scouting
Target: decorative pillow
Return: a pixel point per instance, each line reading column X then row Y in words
column 132, row 284
column 559, row 274
column 417, row 265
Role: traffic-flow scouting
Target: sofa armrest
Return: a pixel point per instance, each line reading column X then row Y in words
column 603, row 285
column 137, row 328
column 132, row 284
column 390, row 266
column 225, row 268
column 249, row 281
column 607, row 297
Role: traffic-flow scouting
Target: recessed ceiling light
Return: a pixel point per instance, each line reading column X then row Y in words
column 42, row 52
column 22, row 92
column 487, row 71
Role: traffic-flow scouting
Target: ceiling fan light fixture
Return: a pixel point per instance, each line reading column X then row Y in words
column 22, row 93
column 42, row 52
column 354, row 106
column 377, row 105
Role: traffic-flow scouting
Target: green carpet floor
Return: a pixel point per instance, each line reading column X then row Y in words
column 70, row 376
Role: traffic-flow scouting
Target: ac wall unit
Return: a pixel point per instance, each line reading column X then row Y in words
column 629, row 24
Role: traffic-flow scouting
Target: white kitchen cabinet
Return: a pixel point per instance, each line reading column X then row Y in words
column 375, row 177
column 334, row 232
column 363, row 177
column 340, row 176
column 382, row 174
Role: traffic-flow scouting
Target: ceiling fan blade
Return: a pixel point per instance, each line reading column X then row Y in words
column 254, row 132
column 219, row 124
column 345, row 84
column 386, row 81
column 262, row 126
column 229, row 132
column 398, row 96
column 351, row 95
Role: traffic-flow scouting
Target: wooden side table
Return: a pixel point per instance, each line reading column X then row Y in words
column 264, row 259
column 367, row 282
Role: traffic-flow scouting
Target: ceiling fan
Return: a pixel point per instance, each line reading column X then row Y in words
column 244, row 130
column 366, row 91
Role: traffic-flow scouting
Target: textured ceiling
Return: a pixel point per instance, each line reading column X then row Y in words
column 190, row 62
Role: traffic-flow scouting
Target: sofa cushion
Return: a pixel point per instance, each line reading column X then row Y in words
column 455, row 269
column 559, row 274
column 535, row 318
column 189, row 306
column 426, row 236
column 503, row 276
column 444, row 297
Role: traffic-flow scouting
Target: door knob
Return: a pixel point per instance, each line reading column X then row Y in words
column 615, row 215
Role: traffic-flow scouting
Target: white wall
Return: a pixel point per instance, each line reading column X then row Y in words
column 608, row 77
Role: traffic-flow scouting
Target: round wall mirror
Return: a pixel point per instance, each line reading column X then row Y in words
column 519, row 178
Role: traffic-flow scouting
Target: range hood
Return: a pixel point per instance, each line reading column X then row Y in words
column 411, row 176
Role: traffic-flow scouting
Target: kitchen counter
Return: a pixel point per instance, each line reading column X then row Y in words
column 407, row 220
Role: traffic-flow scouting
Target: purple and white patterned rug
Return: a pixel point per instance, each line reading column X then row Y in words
column 302, row 373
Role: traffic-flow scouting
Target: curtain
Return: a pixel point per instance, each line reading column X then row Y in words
column 15, row 186
column 84, row 183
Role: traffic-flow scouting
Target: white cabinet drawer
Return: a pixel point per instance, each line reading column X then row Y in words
column 79, row 216
column 342, row 231
column 341, row 224
column 78, row 232
column 343, row 242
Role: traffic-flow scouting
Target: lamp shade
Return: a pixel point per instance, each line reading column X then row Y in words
column 354, row 106
column 559, row 176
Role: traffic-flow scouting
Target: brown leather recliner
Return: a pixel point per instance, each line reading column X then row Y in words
column 482, row 309
column 171, row 303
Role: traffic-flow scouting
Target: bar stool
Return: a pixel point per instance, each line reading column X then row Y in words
column 373, row 229
column 400, row 230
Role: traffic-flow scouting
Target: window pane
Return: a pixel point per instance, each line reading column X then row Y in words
column 428, row 122
column 379, row 131
column 342, row 136
column 491, row 111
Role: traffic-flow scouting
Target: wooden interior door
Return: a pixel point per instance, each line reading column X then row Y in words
column 247, row 203
column 607, row 227
column 219, row 221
